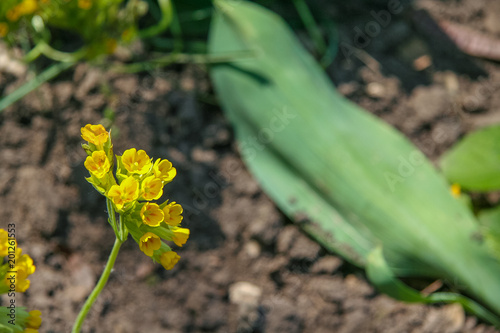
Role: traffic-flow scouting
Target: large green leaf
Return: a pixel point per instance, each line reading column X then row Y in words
column 382, row 277
column 352, row 181
column 490, row 225
column 474, row 162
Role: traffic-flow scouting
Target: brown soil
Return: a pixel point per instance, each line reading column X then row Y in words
column 237, row 233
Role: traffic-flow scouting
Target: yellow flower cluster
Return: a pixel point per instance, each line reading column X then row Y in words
column 14, row 273
column 11, row 11
column 19, row 266
column 138, row 183
column 25, row 8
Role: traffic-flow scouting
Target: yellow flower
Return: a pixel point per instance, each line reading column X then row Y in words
column 149, row 243
column 169, row 259
column 98, row 164
column 151, row 214
column 13, row 14
column 95, row 134
column 30, row 330
column 4, row 243
column 152, row 188
column 23, row 268
column 110, row 45
column 4, row 29
column 163, row 169
column 180, row 236
column 27, row 7
column 84, row 4
column 136, row 161
column 34, row 320
column 172, row 213
column 455, row 190
column 127, row 191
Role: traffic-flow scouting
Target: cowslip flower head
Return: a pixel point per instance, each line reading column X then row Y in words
column 126, row 192
column 95, row 134
column 172, row 214
column 169, row 259
column 149, row 243
column 164, row 170
column 151, row 188
column 98, row 164
column 136, row 161
column 181, row 235
column 151, row 214
column 130, row 190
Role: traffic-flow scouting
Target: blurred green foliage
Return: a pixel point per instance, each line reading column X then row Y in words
column 95, row 27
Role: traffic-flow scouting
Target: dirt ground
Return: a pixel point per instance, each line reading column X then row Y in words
column 237, row 234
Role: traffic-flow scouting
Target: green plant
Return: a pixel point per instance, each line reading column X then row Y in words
column 131, row 195
column 474, row 164
column 351, row 181
column 95, row 28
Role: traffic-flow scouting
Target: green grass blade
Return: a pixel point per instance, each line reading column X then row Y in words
column 474, row 162
column 311, row 26
column 31, row 85
column 162, row 25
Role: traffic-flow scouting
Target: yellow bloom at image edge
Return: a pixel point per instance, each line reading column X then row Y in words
column 30, row 330
column 169, row 259
column 4, row 29
column 34, row 321
column 4, row 243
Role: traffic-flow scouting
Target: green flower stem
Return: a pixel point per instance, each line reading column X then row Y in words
column 167, row 15
column 43, row 48
column 36, row 82
column 98, row 288
column 112, row 217
column 181, row 58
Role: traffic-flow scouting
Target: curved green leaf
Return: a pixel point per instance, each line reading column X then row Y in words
column 490, row 229
column 474, row 162
column 381, row 276
column 351, row 180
